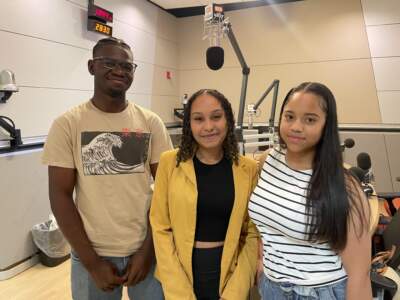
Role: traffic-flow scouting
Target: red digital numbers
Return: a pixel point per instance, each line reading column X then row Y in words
column 101, row 13
column 98, row 18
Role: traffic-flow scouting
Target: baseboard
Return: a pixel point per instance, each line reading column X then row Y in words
column 15, row 270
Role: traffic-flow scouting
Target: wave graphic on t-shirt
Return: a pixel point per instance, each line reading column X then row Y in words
column 98, row 157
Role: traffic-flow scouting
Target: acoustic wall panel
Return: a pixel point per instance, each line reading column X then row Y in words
column 297, row 32
column 48, row 47
column 384, row 40
column 392, row 141
column 24, row 203
column 389, row 103
column 374, row 145
column 381, row 12
column 351, row 81
column 387, row 73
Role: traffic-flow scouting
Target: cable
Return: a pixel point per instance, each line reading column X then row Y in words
column 9, row 120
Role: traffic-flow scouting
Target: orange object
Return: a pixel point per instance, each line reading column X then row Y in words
column 387, row 208
column 396, row 203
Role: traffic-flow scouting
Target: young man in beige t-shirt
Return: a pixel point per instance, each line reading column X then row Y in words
column 107, row 149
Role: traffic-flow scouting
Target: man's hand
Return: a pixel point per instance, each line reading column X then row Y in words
column 138, row 267
column 105, row 275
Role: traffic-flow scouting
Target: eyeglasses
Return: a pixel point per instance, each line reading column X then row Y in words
column 110, row 63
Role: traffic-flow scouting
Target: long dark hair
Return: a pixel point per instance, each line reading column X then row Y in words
column 189, row 145
column 332, row 195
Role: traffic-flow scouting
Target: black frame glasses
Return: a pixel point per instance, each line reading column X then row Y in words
column 110, row 63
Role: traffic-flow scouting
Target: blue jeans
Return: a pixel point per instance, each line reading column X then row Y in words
column 84, row 288
column 286, row 291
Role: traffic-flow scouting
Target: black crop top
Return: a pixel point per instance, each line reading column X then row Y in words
column 216, row 194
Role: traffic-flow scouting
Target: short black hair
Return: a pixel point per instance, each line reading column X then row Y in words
column 110, row 41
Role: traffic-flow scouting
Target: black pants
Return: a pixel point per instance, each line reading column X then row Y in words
column 206, row 265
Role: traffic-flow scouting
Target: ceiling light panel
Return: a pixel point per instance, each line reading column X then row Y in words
column 169, row 4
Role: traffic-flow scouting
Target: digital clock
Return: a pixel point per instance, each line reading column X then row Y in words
column 99, row 13
column 99, row 27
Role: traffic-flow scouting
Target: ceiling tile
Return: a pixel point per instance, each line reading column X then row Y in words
column 168, row 4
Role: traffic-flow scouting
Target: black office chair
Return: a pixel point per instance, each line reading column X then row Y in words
column 385, row 288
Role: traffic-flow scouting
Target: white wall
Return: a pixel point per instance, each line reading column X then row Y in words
column 46, row 44
column 382, row 20
column 313, row 40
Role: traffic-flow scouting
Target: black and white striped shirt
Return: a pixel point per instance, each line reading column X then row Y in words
column 277, row 208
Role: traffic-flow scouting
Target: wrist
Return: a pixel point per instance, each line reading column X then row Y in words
column 146, row 249
column 147, row 255
column 90, row 260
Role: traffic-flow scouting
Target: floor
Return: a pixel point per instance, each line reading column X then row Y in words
column 44, row 283
column 40, row 283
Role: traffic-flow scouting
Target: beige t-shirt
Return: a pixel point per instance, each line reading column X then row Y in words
column 112, row 153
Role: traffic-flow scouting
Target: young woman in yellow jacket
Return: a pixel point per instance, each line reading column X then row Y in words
column 205, row 245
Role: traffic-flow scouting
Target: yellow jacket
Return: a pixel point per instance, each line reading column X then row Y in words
column 173, row 221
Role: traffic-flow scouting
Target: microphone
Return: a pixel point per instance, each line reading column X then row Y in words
column 357, row 173
column 214, row 32
column 185, row 100
column 215, row 57
column 364, row 162
column 348, row 143
column 360, row 174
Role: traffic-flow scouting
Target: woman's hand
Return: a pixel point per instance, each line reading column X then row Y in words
column 260, row 270
column 260, row 265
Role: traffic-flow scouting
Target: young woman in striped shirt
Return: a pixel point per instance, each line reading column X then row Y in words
column 312, row 216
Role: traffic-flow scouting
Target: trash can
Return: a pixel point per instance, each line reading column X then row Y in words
column 53, row 246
